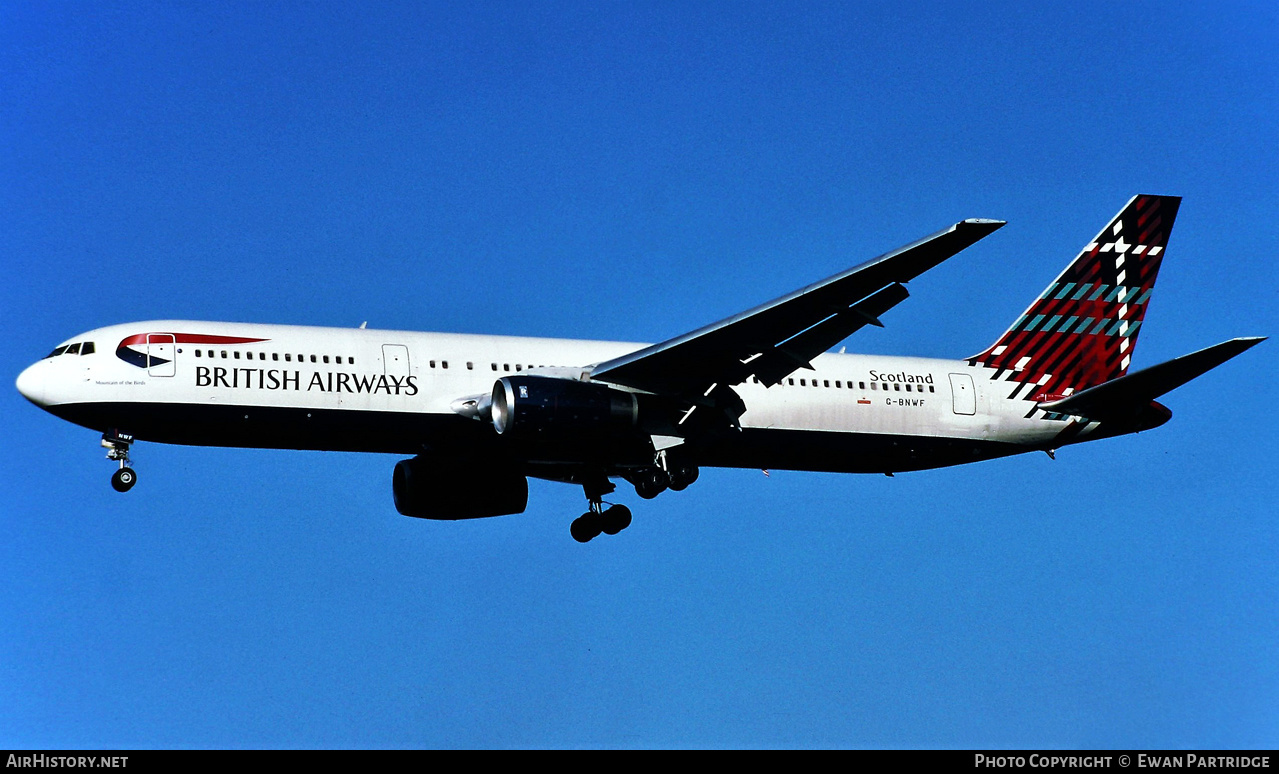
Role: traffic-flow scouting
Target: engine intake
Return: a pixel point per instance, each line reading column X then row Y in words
column 545, row 407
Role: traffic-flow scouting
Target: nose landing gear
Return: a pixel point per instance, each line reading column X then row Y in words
column 117, row 446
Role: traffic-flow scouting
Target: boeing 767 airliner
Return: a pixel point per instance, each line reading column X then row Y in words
column 760, row 389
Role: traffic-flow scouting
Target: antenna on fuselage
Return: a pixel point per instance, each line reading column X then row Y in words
column 366, row 322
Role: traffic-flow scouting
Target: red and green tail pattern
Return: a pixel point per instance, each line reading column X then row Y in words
column 1082, row 329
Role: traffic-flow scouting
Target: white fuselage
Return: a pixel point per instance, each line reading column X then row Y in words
column 233, row 384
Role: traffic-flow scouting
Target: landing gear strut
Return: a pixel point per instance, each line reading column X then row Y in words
column 117, row 446
column 599, row 519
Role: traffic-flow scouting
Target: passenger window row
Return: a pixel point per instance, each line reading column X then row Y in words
column 518, row 366
column 288, row 358
column 275, row 356
column 470, row 365
column 897, row 386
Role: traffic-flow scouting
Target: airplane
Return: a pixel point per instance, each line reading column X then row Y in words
column 760, row 389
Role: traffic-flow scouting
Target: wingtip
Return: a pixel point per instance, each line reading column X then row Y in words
column 985, row 224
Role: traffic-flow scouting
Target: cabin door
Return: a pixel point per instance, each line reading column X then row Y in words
column 962, row 392
column 395, row 360
column 161, row 353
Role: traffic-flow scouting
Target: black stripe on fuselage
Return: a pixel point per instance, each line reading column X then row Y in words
column 274, row 427
column 841, row 452
column 393, row 432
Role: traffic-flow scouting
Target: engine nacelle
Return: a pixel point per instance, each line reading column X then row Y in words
column 431, row 489
column 541, row 407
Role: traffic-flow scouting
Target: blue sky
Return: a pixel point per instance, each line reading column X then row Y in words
column 634, row 171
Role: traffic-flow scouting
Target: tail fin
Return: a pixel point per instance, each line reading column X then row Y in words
column 1082, row 329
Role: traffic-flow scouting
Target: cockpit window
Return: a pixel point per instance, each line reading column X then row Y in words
column 79, row 348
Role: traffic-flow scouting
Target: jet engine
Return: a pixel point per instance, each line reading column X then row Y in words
column 546, row 408
column 426, row 488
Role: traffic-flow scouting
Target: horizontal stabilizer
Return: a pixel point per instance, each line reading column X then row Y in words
column 1118, row 397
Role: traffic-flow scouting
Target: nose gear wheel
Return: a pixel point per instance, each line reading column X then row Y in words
column 117, row 445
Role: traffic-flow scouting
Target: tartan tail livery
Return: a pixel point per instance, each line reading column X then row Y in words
column 1082, row 329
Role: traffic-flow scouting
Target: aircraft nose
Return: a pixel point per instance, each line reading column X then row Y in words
column 31, row 384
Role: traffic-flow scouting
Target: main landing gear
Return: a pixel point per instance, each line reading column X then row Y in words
column 117, row 446
column 649, row 483
column 599, row 519
column 665, row 474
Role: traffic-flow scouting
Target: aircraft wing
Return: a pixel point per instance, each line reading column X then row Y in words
column 774, row 339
